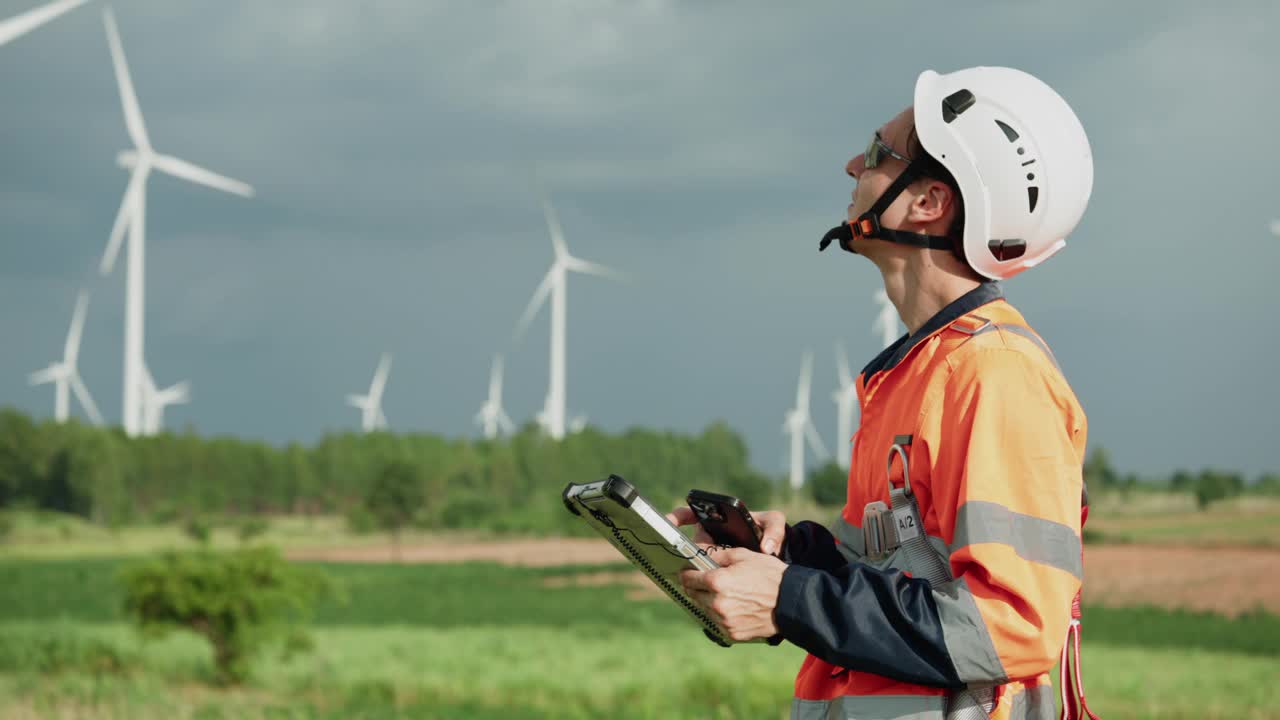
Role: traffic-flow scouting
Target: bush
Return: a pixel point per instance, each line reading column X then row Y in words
column 1212, row 485
column 6, row 525
column 239, row 601
column 252, row 527
column 198, row 529
column 829, row 485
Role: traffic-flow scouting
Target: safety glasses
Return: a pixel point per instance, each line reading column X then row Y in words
column 877, row 150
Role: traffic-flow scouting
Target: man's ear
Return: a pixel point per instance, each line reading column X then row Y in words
column 930, row 203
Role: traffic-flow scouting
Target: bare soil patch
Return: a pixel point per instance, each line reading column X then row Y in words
column 1224, row 580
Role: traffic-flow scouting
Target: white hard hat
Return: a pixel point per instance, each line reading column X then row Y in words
column 1019, row 156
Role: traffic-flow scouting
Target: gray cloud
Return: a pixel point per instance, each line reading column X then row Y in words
column 696, row 146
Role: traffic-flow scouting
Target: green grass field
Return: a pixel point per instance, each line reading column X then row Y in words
column 486, row 641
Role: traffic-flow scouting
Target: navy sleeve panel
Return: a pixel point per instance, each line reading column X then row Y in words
column 812, row 545
column 867, row 620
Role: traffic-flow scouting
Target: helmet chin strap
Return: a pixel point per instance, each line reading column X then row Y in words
column 868, row 223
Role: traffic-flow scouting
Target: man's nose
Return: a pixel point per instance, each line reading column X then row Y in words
column 855, row 166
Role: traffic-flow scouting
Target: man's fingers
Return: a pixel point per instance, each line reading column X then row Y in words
column 729, row 556
column 694, row 580
column 682, row 516
column 774, row 526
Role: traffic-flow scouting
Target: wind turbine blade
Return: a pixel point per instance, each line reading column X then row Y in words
column 539, row 296
column 495, row 378
column 1275, row 228
column 128, row 210
column 132, row 112
column 176, row 394
column 508, row 427
column 381, row 423
column 802, row 389
column 815, row 440
column 47, row 375
column 590, row 268
column 842, row 365
column 196, row 174
column 72, row 348
column 23, row 23
column 357, row 401
column 380, row 378
column 553, row 227
column 86, row 400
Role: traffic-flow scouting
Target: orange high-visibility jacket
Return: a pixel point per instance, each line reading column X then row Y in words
column 995, row 456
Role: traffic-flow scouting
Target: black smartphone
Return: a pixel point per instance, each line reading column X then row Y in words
column 726, row 519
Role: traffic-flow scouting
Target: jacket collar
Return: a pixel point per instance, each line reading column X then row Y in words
column 958, row 308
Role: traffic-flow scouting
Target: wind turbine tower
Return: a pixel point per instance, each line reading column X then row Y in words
column 886, row 322
column 491, row 416
column 799, row 425
column 132, row 217
column 64, row 374
column 553, row 417
column 845, row 398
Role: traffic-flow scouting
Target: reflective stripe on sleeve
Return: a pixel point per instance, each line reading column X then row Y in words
column 1034, row 703
column 966, row 636
column 852, row 545
column 1033, row 539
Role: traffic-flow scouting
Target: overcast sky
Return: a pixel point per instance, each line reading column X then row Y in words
column 697, row 147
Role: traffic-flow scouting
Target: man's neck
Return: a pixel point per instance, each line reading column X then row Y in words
column 920, row 296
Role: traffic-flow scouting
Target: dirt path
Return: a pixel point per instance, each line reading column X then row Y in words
column 1229, row 581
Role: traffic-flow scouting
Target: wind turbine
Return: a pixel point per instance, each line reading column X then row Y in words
column 845, row 397
column 154, row 401
column 132, row 216
column 64, row 374
column 552, row 416
column 491, row 416
column 370, row 405
column 800, row 426
column 23, row 23
column 886, row 322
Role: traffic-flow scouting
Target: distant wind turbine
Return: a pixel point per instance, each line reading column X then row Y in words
column 491, row 416
column 577, row 424
column 154, row 401
column 132, row 216
column 65, row 375
column 552, row 416
column 370, row 405
column 1275, row 227
column 886, row 322
column 845, row 397
column 799, row 425
column 23, row 23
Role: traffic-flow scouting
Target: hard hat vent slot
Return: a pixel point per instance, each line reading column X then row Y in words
column 1008, row 131
column 1033, row 195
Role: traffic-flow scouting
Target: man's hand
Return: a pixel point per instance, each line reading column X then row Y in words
column 741, row 594
column 773, row 523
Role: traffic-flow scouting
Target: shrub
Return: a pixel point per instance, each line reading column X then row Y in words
column 239, row 601
column 252, row 527
column 198, row 529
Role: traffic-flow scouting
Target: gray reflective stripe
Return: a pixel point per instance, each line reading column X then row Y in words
column 1024, row 332
column 870, row 707
column 852, row 545
column 1035, row 703
column 1033, row 539
column 965, row 633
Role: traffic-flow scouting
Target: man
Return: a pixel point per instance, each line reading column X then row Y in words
column 945, row 588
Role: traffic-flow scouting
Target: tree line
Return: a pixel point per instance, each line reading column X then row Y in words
column 511, row 484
